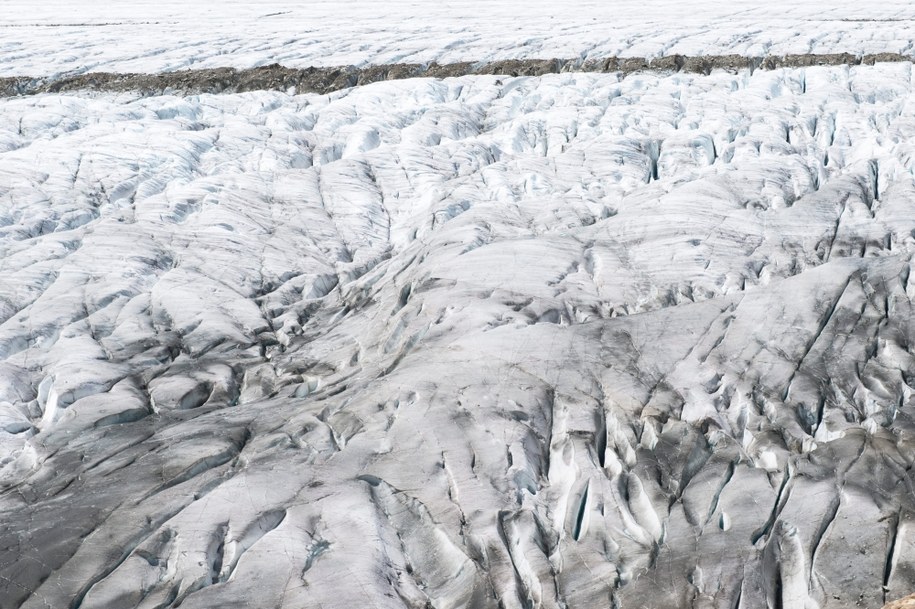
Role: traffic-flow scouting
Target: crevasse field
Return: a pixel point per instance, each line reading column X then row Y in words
column 574, row 341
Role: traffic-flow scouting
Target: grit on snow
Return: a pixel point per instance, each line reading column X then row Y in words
column 64, row 37
column 569, row 341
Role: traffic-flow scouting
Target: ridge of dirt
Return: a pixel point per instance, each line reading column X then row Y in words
column 328, row 79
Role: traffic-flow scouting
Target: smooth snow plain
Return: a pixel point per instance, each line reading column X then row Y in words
column 573, row 341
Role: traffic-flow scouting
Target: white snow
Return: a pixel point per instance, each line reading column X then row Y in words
column 580, row 340
column 269, row 323
column 52, row 38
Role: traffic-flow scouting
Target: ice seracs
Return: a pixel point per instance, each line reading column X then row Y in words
column 570, row 341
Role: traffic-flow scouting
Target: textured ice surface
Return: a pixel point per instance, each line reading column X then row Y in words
column 59, row 37
column 570, row 341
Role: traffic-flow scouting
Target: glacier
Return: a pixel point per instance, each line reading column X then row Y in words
column 575, row 340
column 55, row 38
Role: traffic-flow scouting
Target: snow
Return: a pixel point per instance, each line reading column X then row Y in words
column 53, row 38
column 578, row 340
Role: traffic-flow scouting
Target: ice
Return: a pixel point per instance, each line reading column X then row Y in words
column 57, row 38
column 576, row 340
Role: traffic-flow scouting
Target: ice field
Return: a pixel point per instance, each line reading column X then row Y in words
column 572, row 341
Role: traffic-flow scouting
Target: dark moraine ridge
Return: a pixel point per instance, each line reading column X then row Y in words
column 328, row 79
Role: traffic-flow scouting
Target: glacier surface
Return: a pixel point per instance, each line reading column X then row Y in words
column 53, row 38
column 572, row 341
